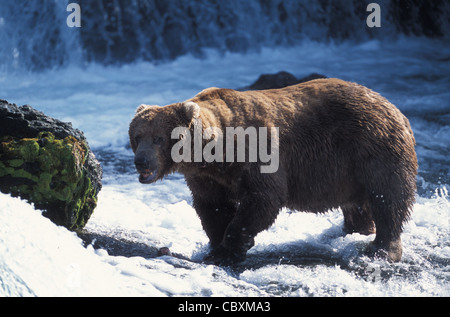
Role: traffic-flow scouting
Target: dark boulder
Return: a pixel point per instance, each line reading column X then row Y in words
column 48, row 163
column 279, row 80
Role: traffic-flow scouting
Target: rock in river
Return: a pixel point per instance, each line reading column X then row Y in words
column 48, row 163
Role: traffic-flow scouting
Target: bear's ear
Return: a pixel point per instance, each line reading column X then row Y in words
column 192, row 110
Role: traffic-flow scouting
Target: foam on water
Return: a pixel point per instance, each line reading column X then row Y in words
column 300, row 255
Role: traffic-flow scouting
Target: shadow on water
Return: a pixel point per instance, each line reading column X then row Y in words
column 117, row 246
column 299, row 253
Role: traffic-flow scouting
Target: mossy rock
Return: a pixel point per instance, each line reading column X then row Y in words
column 59, row 175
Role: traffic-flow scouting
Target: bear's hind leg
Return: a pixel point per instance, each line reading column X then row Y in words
column 389, row 218
column 389, row 180
column 358, row 220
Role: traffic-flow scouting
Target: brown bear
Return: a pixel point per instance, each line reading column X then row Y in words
column 339, row 144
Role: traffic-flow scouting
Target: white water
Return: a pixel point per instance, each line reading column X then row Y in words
column 300, row 255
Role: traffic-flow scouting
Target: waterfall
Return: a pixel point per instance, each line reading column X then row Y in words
column 34, row 34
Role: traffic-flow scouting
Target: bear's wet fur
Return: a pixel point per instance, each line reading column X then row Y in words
column 340, row 145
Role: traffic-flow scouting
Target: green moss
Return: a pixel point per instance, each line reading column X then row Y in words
column 21, row 173
column 52, row 173
column 28, row 149
column 16, row 162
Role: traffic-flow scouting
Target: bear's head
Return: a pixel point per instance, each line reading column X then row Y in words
column 150, row 137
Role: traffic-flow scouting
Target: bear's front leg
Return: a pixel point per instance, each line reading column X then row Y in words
column 260, row 201
column 215, row 205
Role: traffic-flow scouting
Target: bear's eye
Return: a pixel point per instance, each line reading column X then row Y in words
column 158, row 140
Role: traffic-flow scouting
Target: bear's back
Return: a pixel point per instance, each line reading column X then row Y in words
column 321, row 102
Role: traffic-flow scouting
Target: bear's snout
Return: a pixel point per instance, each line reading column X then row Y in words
column 141, row 163
column 147, row 174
